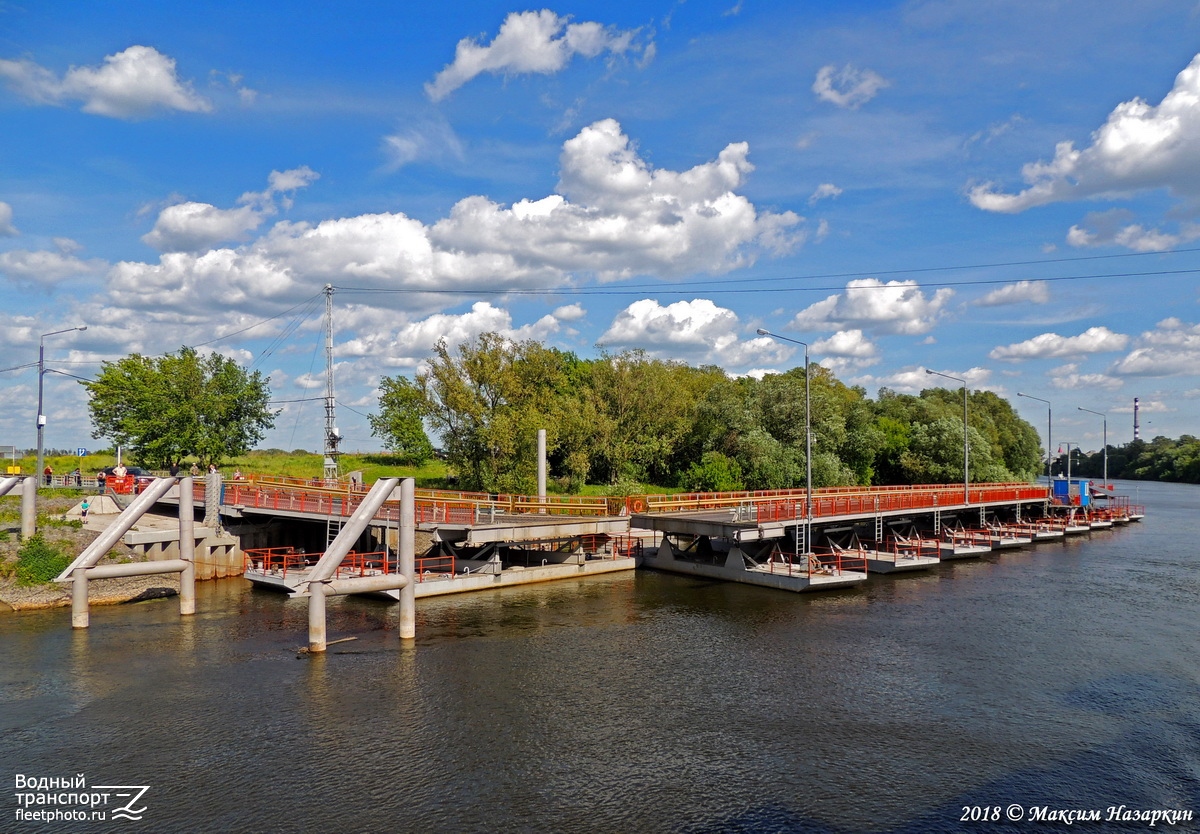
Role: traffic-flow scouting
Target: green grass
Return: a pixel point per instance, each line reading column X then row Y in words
column 299, row 464
column 39, row 562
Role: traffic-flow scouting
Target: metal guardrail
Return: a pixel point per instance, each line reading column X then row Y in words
column 455, row 507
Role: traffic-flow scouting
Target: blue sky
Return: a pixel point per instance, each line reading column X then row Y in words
column 1003, row 191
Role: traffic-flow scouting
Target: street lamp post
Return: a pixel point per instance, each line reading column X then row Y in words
column 1105, row 418
column 1049, row 425
column 807, row 441
column 41, row 418
column 966, row 445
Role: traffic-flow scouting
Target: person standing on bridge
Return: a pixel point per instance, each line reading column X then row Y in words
column 195, row 470
column 174, row 470
column 49, row 473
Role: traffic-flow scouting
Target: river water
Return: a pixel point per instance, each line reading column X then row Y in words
column 1064, row 677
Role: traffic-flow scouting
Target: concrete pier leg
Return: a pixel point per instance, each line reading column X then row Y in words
column 79, row 599
column 408, row 529
column 541, row 468
column 29, row 507
column 316, row 617
column 187, row 547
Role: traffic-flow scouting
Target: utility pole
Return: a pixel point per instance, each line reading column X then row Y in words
column 332, row 435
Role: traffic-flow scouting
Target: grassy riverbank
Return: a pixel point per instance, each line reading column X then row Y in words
column 301, row 464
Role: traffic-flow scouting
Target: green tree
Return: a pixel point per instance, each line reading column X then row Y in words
column 163, row 409
column 399, row 423
column 487, row 400
column 714, row 473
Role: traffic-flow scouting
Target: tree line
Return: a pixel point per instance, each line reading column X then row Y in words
column 629, row 419
column 1161, row 459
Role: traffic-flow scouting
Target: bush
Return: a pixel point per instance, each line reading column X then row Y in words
column 38, row 562
column 715, row 473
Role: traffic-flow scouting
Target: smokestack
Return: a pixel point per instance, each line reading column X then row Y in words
column 1136, row 429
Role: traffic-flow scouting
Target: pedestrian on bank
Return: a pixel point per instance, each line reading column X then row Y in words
column 49, row 473
column 83, row 510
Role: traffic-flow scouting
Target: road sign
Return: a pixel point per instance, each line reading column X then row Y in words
column 81, row 452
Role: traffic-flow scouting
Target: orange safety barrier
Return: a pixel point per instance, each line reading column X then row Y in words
column 905, row 548
column 445, row 506
column 274, row 560
column 822, row 562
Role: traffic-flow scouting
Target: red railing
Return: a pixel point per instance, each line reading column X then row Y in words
column 274, row 560
column 906, row 548
column 968, row 537
column 821, row 562
column 434, row 506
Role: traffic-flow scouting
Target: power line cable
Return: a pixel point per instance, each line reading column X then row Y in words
column 19, row 367
column 688, row 287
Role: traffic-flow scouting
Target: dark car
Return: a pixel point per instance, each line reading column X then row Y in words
column 140, row 476
column 135, row 471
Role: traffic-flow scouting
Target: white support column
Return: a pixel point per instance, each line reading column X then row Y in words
column 29, row 506
column 79, row 599
column 316, row 617
column 407, row 566
column 541, row 469
column 187, row 546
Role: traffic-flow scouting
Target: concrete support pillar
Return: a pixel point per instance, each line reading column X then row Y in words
column 187, row 547
column 79, row 599
column 212, row 500
column 541, row 468
column 407, row 567
column 316, row 617
column 29, row 507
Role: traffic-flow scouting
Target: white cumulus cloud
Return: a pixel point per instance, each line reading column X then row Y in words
column 1117, row 227
column 411, row 344
column 7, row 229
column 870, row 304
column 614, row 216
column 45, row 267
column 846, row 350
column 1068, row 378
column 915, row 380
column 698, row 329
column 849, row 86
column 1171, row 349
column 1141, row 146
column 1051, row 345
column 191, row 226
column 1033, row 292
column 528, row 42
column 127, row 85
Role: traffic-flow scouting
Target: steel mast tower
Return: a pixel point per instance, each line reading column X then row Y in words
column 332, row 435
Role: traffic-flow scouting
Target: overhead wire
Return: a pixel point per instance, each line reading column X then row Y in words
column 686, row 287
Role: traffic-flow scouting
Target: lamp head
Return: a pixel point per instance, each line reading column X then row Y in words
column 762, row 332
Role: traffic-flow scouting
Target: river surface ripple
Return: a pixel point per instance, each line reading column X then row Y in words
column 1063, row 675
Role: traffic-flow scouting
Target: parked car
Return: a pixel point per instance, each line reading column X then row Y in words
column 135, row 471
